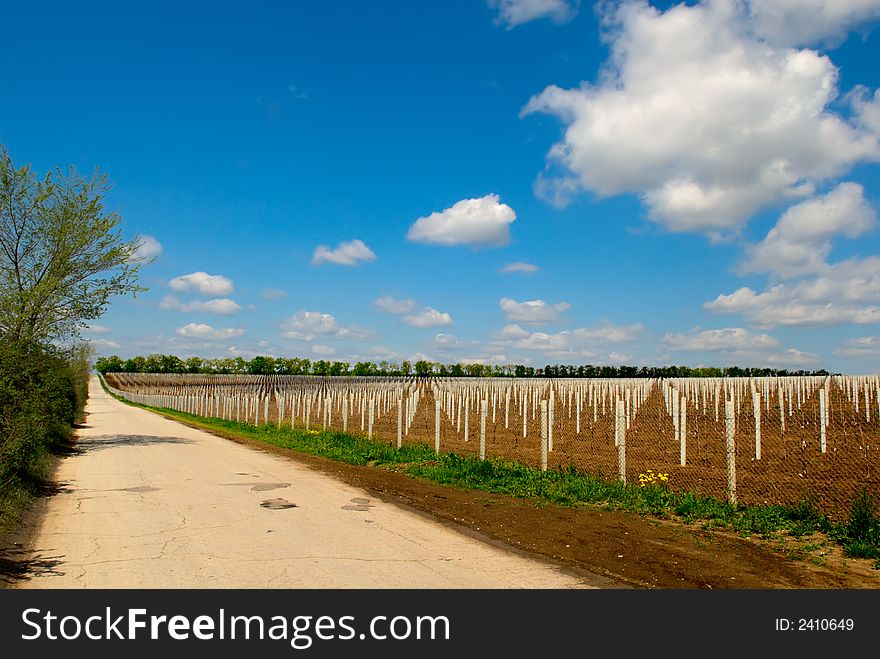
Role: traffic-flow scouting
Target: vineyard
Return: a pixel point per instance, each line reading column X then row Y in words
column 774, row 440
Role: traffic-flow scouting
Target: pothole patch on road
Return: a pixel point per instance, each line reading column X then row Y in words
column 358, row 503
column 262, row 487
column 140, row 488
column 277, row 504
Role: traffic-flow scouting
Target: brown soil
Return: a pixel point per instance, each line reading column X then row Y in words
column 634, row 551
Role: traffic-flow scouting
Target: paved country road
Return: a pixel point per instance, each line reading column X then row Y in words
column 149, row 503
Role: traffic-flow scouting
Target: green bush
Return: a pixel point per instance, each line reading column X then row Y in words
column 42, row 393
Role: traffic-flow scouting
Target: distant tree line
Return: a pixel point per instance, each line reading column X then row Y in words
column 264, row 365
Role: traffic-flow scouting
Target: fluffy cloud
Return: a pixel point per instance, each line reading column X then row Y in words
column 532, row 311
column 94, row 328
column 704, row 119
column 354, row 252
column 148, row 249
column 730, row 338
column 846, row 292
column 860, row 348
column 792, row 358
column 516, row 12
column 322, row 350
column 568, row 344
column 204, row 331
column 483, row 222
column 518, row 267
column 447, row 341
column 390, row 305
column 274, row 294
column 806, row 22
column 801, row 240
column 428, row 317
column 306, row 325
column 203, row 283
column 104, row 343
column 219, row 306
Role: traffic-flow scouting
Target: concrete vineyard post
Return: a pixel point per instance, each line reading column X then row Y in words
column 682, row 449
column 399, row 423
column 823, row 420
column 345, row 415
column 756, row 402
column 729, row 433
column 483, row 413
column 620, row 436
column 543, row 435
column 370, row 428
column 436, row 426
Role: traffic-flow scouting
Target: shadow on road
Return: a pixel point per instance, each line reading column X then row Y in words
column 101, row 442
column 17, row 565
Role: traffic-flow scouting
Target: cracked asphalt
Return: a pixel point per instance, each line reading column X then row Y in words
column 145, row 502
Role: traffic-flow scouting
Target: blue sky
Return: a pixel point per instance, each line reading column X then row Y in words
column 692, row 184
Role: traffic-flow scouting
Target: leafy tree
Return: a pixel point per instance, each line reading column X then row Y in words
column 61, row 254
column 112, row 364
column 424, row 368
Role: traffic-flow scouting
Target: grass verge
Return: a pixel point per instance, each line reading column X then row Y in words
column 859, row 535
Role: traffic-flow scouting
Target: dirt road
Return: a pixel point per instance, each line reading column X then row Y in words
column 145, row 502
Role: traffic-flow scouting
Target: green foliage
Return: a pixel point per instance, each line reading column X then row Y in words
column 62, row 256
column 265, row 365
column 42, row 393
column 861, row 533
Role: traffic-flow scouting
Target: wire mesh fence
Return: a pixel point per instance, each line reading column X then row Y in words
column 775, row 440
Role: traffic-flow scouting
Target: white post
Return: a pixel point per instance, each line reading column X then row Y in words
column 437, row 426
column 543, row 435
column 620, row 436
column 823, row 420
column 345, row 414
column 781, row 411
column 756, row 402
column 467, row 401
column 399, row 423
column 370, row 427
column 550, row 414
column 682, row 435
column 483, row 412
column 729, row 431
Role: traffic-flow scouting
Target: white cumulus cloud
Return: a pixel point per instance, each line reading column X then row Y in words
column 801, row 240
column 729, row 338
column 703, row 119
column 518, row 267
column 532, row 311
column 204, row 331
column 484, row 221
column 516, row 12
column 306, row 325
column 846, row 292
column 861, row 347
column 94, row 328
column 219, row 306
column 353, row 252
column 391, row 305
column 148, row 249
column 202, row 283
column 808, row 22
column 274, row 294
column 428, row 317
